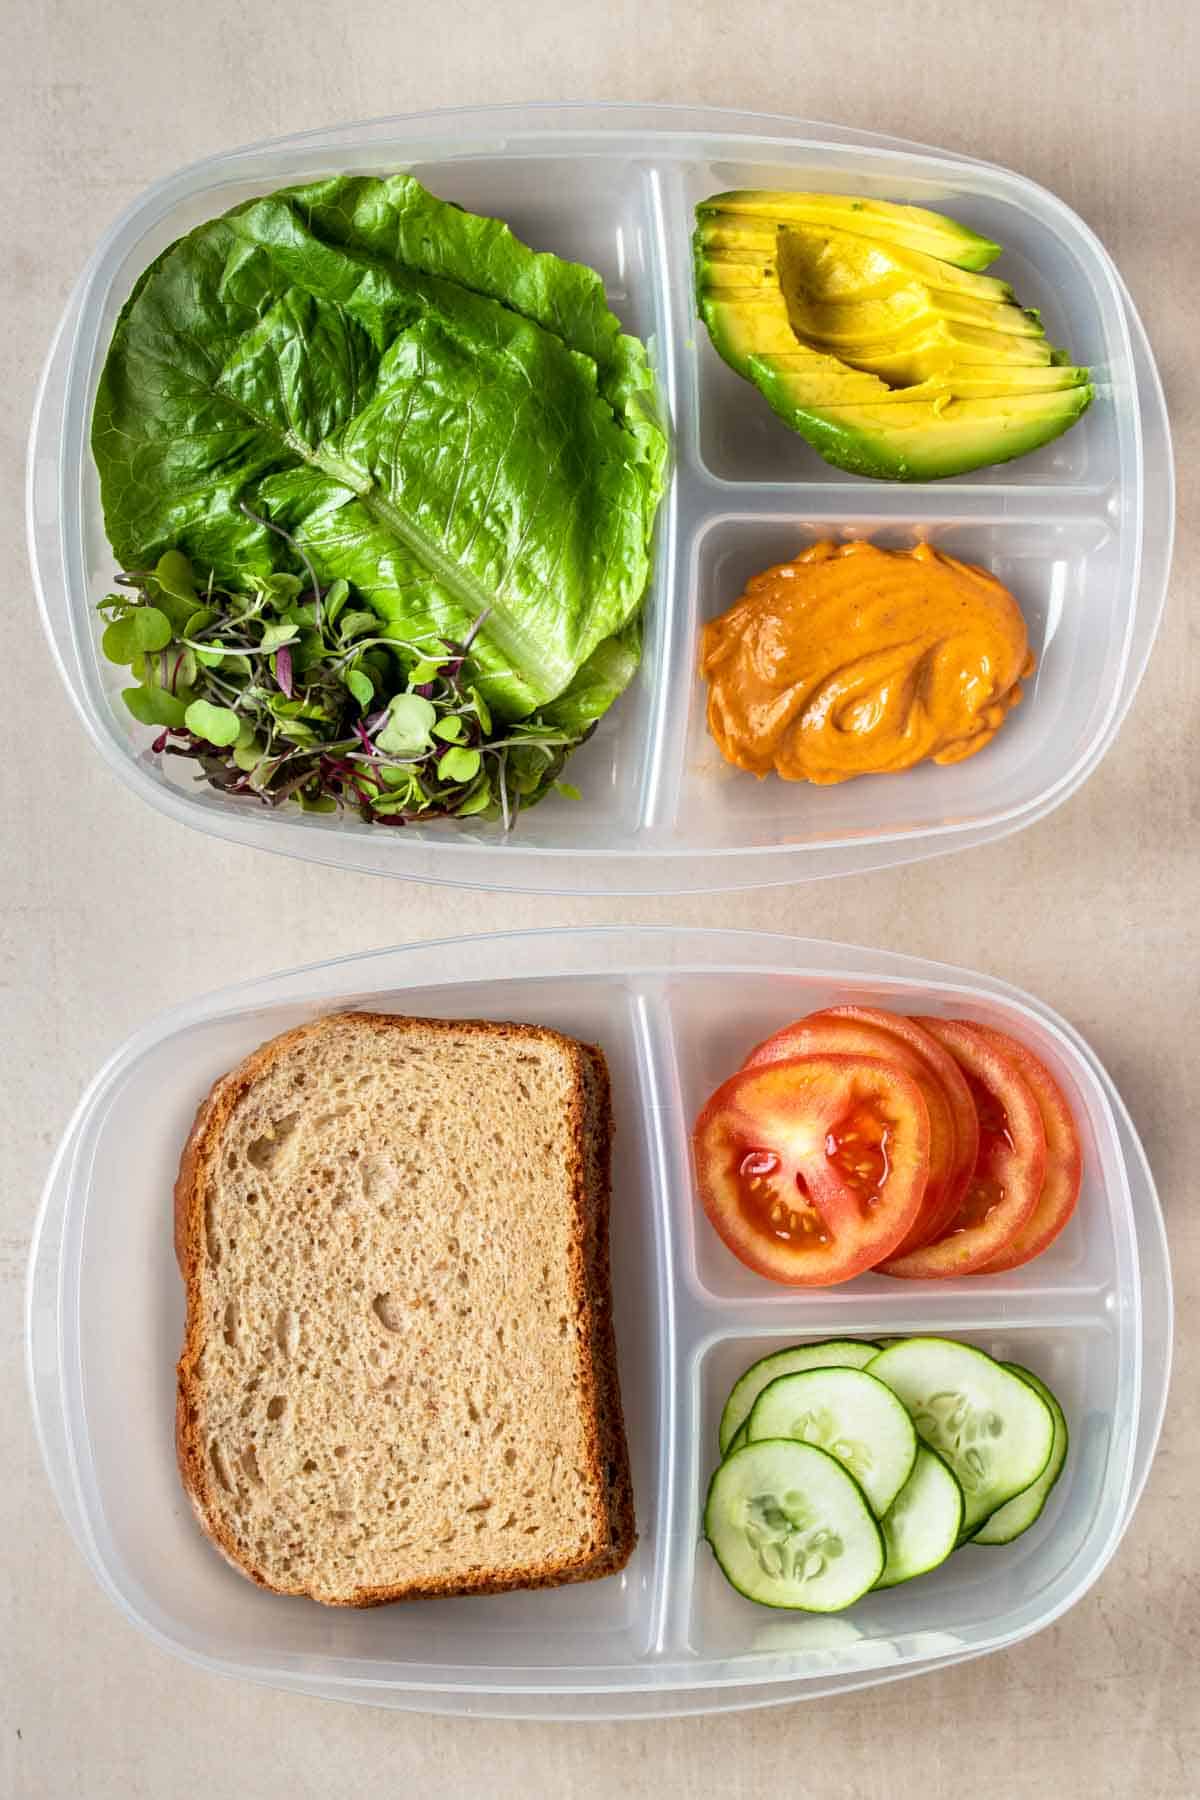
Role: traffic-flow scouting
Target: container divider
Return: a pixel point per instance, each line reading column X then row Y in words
column 667, row 611
column 657, row 1112
column 877, row 503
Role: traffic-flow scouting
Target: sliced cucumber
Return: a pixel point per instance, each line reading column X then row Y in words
column 851, row 1415
column 1024, row 1510
column 833, row 1353
column 921, row 1526
column 738, row 1439
column 789, row 1527
column 994, row 1430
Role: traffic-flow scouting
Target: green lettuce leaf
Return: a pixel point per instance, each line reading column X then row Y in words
column 596, row 684
column 446, row 419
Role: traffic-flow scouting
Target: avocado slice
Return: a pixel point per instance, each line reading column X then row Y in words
column 933, row 349
column 810, row 378
column 835, row 266
column 761, row 334
column 979, row 382
column 796, row 378
column 927, row 440
column 841, row 290
column 736, row 232
column 911, row 227
column 863, row 322
column 915, row 312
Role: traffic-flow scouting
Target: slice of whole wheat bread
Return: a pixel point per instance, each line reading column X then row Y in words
column 399, row 1374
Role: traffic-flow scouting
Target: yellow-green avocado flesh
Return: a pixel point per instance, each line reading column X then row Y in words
column 890, row 359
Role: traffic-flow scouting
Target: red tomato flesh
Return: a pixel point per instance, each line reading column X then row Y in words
column 1009, row 1169
column 1064, row 1158
column 953, row 1131
column 813, row 1169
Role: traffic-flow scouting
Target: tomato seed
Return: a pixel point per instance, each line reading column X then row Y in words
column 757, row 1163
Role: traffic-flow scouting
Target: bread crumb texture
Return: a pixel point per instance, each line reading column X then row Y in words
column 398, row 1373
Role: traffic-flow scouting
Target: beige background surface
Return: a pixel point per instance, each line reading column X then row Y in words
column 109, row 913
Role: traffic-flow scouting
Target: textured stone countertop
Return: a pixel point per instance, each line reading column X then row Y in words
column 109, row 913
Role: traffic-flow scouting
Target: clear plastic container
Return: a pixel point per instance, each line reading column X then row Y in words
column 1081, row 530
column 675, row 1012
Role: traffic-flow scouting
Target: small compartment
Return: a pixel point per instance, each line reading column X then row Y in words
column 1046, row 261
column 591, row 210
column 1063, row 575
column 976, row 1586
column 716, row 1020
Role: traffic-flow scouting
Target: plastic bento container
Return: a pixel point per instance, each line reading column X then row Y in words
column 1080, row 531
column 674, row 1011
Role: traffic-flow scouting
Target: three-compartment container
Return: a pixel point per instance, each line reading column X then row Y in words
column 1079, row 531
column 675, row 1012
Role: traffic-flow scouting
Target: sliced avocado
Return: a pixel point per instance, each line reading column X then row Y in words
column 862, row 322
column 875, row 322
column 739, row 331
column 960, row 383
column 835, row 266
column 890, row 363
column 930, row 350
column 812, row 379
column 736, row 232
column 912, row 227
column 923, row 440
column 838, row 266
column 726, row 271
column 741, row 334
column 991, row 384
column 858, row 423
column 874, row 293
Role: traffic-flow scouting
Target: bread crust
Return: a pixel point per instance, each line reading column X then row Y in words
column 622, row 1521
column 590, row 1126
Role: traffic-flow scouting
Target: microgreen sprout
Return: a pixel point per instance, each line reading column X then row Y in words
column 280, row 690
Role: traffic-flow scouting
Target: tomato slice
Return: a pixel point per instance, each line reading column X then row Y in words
column 1064, row 1158
column 811, row 1170
column 953, row 1128
column 1009, row 1169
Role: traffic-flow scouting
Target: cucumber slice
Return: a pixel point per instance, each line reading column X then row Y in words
column 790, row 1528
column 1024, row 1510
column 833, row 1353
column 994, row 1430
column 847, row 1412
column 921, row 1526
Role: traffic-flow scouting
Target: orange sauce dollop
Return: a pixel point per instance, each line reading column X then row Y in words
column 852, row 660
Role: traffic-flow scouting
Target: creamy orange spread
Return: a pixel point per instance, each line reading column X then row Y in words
column 853, row 660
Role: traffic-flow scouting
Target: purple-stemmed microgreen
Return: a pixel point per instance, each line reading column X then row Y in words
column 281, row 692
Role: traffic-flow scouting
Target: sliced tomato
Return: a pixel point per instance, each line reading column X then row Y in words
column 1009, row 1169
column 953, row 1130
column 811, row 1170
column 1064, row 1158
